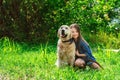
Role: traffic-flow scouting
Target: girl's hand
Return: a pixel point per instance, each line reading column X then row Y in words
column 76, row 53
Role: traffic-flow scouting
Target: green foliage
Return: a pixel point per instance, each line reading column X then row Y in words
column 103, row 40
column 8, row 46
column 38, row 21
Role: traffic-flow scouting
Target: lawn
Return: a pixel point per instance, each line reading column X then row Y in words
column 37, row 62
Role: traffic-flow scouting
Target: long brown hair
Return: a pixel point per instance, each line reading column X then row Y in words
column 80, row 37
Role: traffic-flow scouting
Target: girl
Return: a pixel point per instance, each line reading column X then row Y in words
column 83, row 52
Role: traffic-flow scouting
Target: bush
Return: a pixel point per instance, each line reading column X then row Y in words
column 38, row 21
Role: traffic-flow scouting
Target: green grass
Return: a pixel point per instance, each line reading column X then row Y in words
column 30, row 62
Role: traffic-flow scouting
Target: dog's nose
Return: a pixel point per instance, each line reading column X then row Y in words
column 63, row 32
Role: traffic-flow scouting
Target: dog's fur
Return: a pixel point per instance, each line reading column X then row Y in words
column 65, row 47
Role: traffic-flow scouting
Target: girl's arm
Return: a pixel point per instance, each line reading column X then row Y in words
column 80, row 55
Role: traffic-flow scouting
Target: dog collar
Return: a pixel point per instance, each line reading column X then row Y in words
column 70, row 40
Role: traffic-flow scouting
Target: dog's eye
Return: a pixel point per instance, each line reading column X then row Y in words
column 66, row 28
column 61, row 27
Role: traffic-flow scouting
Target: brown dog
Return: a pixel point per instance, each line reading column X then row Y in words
column 65, row 47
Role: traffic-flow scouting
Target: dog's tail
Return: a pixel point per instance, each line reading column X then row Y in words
column 96, row 63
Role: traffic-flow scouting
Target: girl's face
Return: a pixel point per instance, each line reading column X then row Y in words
column 75, row 34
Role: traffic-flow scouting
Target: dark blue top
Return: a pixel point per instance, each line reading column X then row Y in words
column 85, row 49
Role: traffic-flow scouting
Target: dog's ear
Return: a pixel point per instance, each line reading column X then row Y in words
column 58, row 33
column 70, row 34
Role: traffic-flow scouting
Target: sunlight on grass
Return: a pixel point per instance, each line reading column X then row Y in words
column 22, row 62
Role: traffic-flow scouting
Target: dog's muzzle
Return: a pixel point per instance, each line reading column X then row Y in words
column 63, row 35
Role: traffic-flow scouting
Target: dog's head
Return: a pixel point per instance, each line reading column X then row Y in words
column 64, row 32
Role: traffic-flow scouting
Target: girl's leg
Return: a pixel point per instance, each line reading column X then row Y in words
column 80, row 63
column 94, row 66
